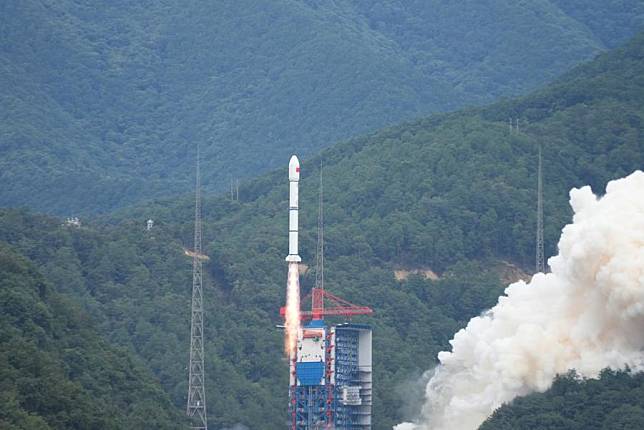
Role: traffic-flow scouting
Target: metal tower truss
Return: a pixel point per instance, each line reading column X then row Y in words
column 318, row 301
column 346, row 374
column 310, row 407
column 353, row 377
column 540, row 258
column 335, row 306
column 329, row 378
column 331, row 305
column 196, row 407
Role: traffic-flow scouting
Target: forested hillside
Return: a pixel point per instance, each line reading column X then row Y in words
column 136, row 286
column 55, row 370
column 102, row 105
column 454, row 193
column 615, row 401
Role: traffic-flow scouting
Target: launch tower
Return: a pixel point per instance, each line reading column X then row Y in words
column 330, row 384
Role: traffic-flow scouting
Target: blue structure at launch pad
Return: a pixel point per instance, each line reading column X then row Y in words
column 331, row 378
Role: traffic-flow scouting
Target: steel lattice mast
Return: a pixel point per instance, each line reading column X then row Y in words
column 540, row 258
column 196, row 408
column 317, row 296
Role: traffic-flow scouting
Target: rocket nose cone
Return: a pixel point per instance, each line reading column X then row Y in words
column 294, row 169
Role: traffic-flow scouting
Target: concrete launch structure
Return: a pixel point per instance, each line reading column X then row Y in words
column 330, row 381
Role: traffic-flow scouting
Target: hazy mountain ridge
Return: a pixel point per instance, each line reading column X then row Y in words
column 102, row 107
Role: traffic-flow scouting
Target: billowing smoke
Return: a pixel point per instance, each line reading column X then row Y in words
column 292, row 315
column 587, row 315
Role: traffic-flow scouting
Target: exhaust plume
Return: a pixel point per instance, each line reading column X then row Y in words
column 586, row 315
column 292, row 315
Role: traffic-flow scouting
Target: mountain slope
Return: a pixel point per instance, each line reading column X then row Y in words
column 452, row 192
column 136, row 287
column 446, row 193
column 57, row 373
column 614, row 401
column 102, row 106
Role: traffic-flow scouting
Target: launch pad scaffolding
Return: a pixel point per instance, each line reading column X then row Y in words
column 336, row 394
column 330, row 380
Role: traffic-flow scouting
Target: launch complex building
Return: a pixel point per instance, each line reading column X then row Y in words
column 330, row 378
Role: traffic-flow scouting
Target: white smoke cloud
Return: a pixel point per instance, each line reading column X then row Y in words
column 410, row 391
column 587, row 315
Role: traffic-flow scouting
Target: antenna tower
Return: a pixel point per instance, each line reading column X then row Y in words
column 540, row 259
column 319, row 258
column 318, row 296
column 196, row 408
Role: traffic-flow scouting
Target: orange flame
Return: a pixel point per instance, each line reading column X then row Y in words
column 292, row 315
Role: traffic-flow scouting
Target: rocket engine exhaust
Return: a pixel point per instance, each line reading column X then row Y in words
column 292, row 315
column 587, row 315
column 292, row 311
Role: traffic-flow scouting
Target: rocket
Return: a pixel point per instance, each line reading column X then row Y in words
column 293, row 210
column 292, row 308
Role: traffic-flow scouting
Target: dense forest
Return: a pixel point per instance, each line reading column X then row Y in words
column 101, row 107
column 613, row 402
column 55, row 370
column 452, row 193
column 136, row 287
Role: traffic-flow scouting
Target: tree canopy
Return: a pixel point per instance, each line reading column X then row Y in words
column 56, row 372
column 612, row 402
column 454, row 193
column 102, row 106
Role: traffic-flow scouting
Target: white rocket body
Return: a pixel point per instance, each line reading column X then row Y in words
column 293, row 210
